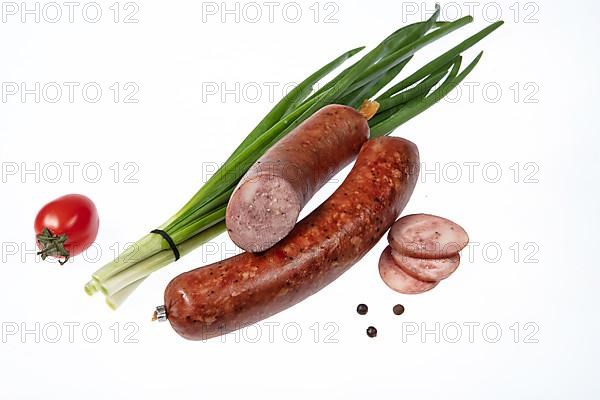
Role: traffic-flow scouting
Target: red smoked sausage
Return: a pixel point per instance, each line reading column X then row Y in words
column 247, row 288
column 265, row 206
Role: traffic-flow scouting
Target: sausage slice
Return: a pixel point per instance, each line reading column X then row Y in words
column 398, row 280
column 427, row 236
column 430, row 270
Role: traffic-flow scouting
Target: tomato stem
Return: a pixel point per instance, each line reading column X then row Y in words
column 53, row 246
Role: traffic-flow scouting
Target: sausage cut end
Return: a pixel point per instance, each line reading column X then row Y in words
column 261, row 212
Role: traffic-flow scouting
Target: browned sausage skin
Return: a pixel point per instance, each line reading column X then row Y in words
column 247, row 288
column 266, row 203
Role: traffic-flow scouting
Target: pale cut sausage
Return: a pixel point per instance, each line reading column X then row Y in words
column 265, row 206
column 427, row 236
column 427, row 269
column 398, row 280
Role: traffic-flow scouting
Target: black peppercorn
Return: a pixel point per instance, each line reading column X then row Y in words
column 398, row 309
column 371, row 332
column 362, row 309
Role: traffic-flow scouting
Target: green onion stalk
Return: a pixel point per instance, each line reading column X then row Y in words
column 202, row 217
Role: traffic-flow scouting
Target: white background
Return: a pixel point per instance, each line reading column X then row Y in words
column 176, row 132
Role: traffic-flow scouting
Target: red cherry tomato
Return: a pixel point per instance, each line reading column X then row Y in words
column 66, row 226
